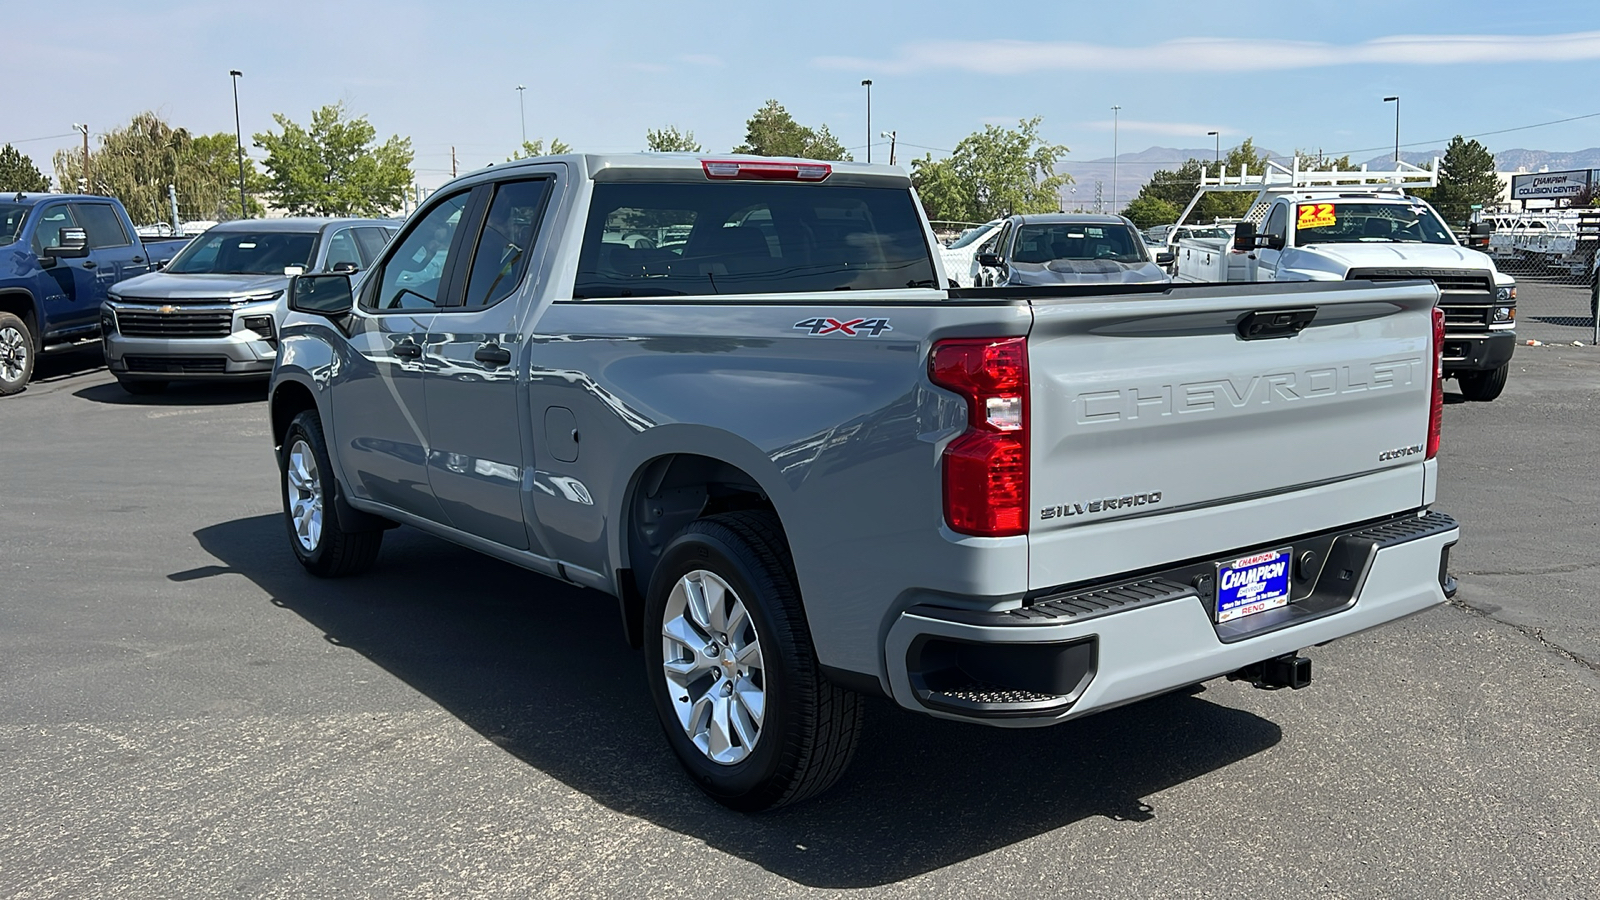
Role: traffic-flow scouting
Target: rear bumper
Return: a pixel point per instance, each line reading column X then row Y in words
column 1099, row 647
column 1478, row 352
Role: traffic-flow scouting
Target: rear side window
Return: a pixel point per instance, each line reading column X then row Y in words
column 506, row 243
column 656, row 240
column 102, row 224
column 372, row 241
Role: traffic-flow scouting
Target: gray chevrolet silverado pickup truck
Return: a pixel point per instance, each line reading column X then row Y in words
column 736, row 395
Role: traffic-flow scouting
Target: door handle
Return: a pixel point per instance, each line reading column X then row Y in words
column 493, row 354
column 89, row 264
column 138, row 259
column 408, row 350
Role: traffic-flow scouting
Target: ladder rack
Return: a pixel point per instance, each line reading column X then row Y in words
column 1276, row 180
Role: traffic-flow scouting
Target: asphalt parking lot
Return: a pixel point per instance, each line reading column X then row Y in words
column 183, row 712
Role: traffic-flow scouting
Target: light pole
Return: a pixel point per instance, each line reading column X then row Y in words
column 522, row 113
column 1396, row 128
column 891, row 136
column 867, row 83
column 1218, row 136
column 1114, row 111
column 238, row 137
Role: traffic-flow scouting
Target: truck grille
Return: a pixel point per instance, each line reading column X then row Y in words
column 1465, row 316
column 177, row 365
column 178, row 324
column 1449, row 281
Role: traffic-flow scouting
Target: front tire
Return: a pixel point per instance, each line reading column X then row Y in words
column 1484, row 386
column 323, row 544
column 732, row 671
column 16, row 354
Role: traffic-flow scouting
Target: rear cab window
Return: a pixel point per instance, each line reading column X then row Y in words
column 697, row 239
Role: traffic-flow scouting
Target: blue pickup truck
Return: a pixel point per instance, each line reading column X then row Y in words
column 59, row 255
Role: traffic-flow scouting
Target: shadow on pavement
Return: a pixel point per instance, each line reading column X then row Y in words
column 59, row 366
column 540, row 669
column 181, row 393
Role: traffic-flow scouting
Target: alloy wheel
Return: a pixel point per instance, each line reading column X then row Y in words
column 305, row 495
column 13, row 354
column 711, row 655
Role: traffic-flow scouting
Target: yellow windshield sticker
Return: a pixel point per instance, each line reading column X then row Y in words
column 1316, row 215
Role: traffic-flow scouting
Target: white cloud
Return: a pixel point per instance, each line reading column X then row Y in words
column 1011, row 57
column 1181, row 129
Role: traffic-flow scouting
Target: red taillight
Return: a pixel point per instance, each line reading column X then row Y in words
column 1436, row 411
column 986, row 469
column 739, row 169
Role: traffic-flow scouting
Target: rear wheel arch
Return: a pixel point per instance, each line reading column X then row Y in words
column 663, row 496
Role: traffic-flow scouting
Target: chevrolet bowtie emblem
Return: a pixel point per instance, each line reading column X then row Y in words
column 168, row 309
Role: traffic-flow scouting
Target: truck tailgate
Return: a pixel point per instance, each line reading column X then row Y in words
column 1158, row 433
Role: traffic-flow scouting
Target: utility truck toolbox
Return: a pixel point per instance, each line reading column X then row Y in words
column 735, row 395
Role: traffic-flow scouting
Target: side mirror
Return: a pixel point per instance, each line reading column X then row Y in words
column 74, row 244
column 346, row 268
column 322, row 295
column 1244, row 237
column 1166, row 258
column 991, row 260
column 1480, row 229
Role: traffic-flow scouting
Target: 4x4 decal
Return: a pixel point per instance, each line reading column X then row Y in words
column 849, row 328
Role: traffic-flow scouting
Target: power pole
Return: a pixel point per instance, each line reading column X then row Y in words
column 83, row 183
column 452, row 162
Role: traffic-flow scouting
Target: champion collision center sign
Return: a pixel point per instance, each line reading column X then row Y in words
column 1549, row 185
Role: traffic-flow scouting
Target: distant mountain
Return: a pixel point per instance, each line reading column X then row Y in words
column 1134, row 169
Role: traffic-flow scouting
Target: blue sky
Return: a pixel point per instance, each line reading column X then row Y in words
column 1311, row 74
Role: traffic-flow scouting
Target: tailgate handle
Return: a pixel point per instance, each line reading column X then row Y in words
column 1275, row 323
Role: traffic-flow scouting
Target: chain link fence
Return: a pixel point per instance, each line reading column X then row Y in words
column 1552, row 256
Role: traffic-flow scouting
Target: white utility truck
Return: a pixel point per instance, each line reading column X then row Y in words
column 1361, row 225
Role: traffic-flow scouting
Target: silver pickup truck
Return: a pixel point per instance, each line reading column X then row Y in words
column 736, row 395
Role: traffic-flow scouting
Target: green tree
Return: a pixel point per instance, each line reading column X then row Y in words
column 335, row 167
column 1177, row 187
column 535, row 147
column 671, row 140
column 994, row 172
column 1145, row 211
column 773, row 132
column 18, row 173
column 137, row 162
column 1466, row 178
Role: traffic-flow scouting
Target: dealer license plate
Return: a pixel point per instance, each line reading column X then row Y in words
column 1254, row 584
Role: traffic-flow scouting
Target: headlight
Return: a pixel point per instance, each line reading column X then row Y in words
column 1503, row 314
column 267, row 297
column 108, row 322
column 1506, row 293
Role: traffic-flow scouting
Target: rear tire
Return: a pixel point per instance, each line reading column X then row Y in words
column 320, row 541
column 1483, row 386
column 141, row 388
column 732, row 670
column 17, row 352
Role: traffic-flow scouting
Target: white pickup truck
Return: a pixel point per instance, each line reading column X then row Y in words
column 1365, row 232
